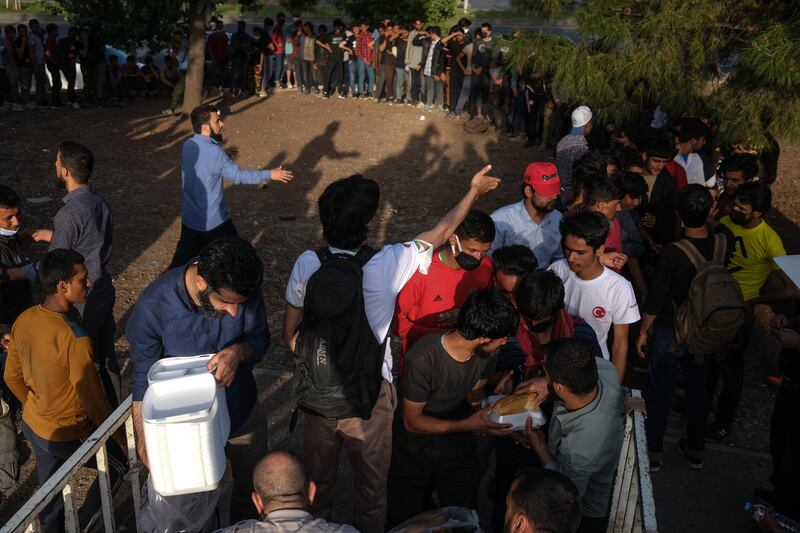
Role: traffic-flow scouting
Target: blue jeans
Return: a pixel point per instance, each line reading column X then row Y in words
column 367, row 71
column 434, row 91
column 463, row 98
column 660, row 381
column 279, row 67
column 352, row 74
column 399, row 81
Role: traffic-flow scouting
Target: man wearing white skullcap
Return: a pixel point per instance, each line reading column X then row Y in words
column 571, row 148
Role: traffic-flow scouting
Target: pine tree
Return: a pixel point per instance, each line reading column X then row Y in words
column 736, row 61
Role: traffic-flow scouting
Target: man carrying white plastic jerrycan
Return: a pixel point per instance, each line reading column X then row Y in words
column 213, row 305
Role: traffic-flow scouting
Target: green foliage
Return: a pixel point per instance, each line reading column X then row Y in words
column 736, row 59
column 125, row 24
column 544, row 8
column 432, row 11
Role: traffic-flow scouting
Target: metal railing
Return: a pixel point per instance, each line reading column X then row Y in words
column 633, row 509
column 26, row 519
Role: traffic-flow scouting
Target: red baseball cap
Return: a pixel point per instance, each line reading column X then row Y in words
column 543, row 177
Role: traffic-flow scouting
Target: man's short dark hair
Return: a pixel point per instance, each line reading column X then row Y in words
column 757, row 196
column 280, row 477
column 52, row 28
column 514, row 260
column 571, row 363
column 268, row 22
column 231, row 263
column 602, row 189
column 31, row 22
column 322, row 28
column 486, row 25
column 9, row 199
column 436, row 30
column 463, row 21
column 658, row 146
column 487, row 314
column 592, row 227
column 201, row 115
column 694, row 205
column 476, row 225
column 630, row 184
column 587, row 168
column 539, row 295
column 338, row 24
column 548, row 499
column 10, row 29
column 747, row 164
column 57, row 266
column 78, row 159
column 345, row 209
column 692, row 128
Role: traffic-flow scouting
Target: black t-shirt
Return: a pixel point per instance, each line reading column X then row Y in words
column 402, row 46
column 336, row 40
column 387, row 57
column 482, row 55
column 350, row 43
column 674, row 274
column 432, row 376
column 322, row 53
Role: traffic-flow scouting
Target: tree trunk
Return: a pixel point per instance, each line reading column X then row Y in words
column 199, row 11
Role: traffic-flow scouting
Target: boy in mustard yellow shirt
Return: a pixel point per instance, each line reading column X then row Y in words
column 51, row 371
column 756, row 247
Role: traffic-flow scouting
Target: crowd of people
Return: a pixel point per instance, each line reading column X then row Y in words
column 655, row 245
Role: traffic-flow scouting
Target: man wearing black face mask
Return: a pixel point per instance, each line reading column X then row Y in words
column 204, row 163
column 446, row 373
column 213, row 305
column 533, row 221
column 431, row 302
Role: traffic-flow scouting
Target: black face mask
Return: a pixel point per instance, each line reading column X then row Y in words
column 541, row 327
column 738, row 218
column 465, row 261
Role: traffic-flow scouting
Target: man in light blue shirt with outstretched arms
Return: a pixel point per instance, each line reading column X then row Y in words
column 205, row 216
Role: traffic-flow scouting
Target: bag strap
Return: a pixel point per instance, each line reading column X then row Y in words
column 691, row 252
column 719, row 249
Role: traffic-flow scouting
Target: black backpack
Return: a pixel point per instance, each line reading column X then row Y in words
column 338, row 360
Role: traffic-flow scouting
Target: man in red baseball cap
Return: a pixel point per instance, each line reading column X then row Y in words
column 533, row 222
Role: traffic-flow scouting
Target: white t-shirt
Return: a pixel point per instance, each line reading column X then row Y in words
column 608, row 299
column 384, row 275
column 693, row 165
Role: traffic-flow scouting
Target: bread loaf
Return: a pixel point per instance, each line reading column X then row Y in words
column 516, row 403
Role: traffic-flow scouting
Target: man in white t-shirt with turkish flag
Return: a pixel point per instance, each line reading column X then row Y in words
column 595, row 293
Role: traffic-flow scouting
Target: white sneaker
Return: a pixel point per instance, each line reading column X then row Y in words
column 17, row 107
column 31, row 105
column 262, row 94
column 168, row 112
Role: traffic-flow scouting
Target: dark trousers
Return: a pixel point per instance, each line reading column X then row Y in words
column 510, row 459
column 49, row 458
column 416, row 85
column 784, row 444
column 192, row 241
column 536, row 119
column 456, row 82
column 446, row 464
column 731, row 370
column 307, row 75
column 663, row 364
column 40, row 75
column 5, row 87
column 55, row 75
column 593, row 525
column 70, row 74
column 335, row 66
column 479, row 95
column 385, row 84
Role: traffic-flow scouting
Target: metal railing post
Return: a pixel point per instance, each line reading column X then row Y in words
column 69, row 509
column 105, row 488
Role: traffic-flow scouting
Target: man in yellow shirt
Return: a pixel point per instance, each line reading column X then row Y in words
column 51, row 371
column 756, row 246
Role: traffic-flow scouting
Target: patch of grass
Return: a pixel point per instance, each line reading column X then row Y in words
column 28, row 8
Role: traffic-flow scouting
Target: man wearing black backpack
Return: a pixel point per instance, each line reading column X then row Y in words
column 337, row 321
column 668, row 291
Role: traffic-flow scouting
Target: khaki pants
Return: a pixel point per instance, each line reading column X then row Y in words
column 245, row 449
column 369, row 447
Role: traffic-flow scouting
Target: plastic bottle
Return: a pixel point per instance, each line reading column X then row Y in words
column 756, row 511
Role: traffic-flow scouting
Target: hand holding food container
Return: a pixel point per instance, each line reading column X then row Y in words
column 515, row 410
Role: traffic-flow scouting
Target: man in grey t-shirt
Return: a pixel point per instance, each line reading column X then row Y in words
column 587, row 426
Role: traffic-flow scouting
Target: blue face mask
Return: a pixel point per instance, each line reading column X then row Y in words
column 7, row 232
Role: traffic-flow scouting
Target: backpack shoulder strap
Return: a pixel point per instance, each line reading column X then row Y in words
column 324, row 255
column 691, row 252
column 719, row 248
column 364, row 255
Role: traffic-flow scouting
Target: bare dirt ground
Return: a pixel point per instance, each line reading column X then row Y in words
column 423, row 167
